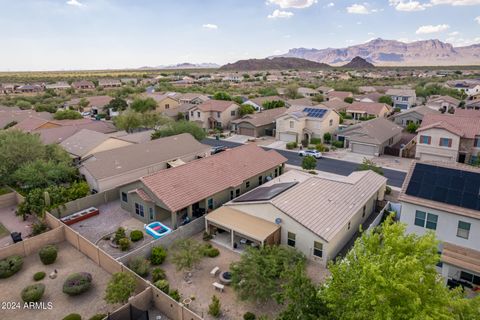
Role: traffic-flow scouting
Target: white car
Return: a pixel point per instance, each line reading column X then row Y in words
column 314, row 153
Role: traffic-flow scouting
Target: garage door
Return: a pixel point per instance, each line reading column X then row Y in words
column 363, row 148
column 434, row 157
column 247, row 132
column 288, row 137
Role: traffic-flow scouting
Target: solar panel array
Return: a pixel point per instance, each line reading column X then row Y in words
column 451, row 186
column 315, row 113
column 265, row 193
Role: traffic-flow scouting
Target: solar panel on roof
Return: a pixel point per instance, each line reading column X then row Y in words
column 315, row 113
column 265, row 193
column 446, row 185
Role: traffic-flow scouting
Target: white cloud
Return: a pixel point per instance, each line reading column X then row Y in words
column 358, row 9
column 298, row 4
column 414, row 5
column 461, row 42
column 330, row 5
column 455, row 2
column 210, row 26
column 477, row 19
column 279, row 14
column 75, row 3
column 454, row 33
column 432, row 29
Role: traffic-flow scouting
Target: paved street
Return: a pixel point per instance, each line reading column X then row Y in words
column 395, row 178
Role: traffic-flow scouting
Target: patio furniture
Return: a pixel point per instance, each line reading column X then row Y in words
column 218, row 286
column 225, row 278
column 214, row 271
column 16, row 236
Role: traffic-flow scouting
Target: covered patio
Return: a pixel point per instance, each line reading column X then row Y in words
column 237, row 230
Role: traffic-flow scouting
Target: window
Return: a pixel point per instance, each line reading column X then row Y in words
column 167, row 106
column 463, row 230
column 139, row 210
column 260, row 180
column 317, row 249
column 231, row 194
column 232, row 113
column 404, row 98
column 348, row 225
column 247, row 184
column 276, row 172
column 364, row 210
column 291, row 124
column 152, row 215
column 476, row 143
column 218, row 114
column 425, row 139
column 210, row 203
column 198, row 114
column 291, row 239
column 237, row 192
column 445, row 142
column 191, row 113
column 124, row 197
column 467, row 276
column 330, row 122
column 426, row 220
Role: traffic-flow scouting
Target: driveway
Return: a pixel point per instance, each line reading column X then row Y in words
column 238, row 138
column 344, row 168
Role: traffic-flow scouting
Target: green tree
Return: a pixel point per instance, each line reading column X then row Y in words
column 327, row 137
column 246, row 109
column 117, row 104
column 390, row 275
column 412, row 127
column 237, row 99
column 179, row 127
column 186, row 254
column 273, row 104
column 267, row 91
column 24, row 105
column 128, row 121
column 386, row 100
column 348, row 100
column 214, row 308
column 120, row 287
column 222, row 96
column 369, row 165
column 40, row 174
column 292, row 91
column 318, row 98
column 309, row 163
column 83, row 103
column 143, row 105
column 67, row 114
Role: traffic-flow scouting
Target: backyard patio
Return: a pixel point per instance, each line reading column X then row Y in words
column 13, row 223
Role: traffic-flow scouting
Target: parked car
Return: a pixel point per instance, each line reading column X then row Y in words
column 218, row 149
column 314, row 153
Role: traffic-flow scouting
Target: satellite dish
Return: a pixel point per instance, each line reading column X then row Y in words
column 278, row 220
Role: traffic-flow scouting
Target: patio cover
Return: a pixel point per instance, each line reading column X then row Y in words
column 242, row 223
column 461, row 257
column 176, row 163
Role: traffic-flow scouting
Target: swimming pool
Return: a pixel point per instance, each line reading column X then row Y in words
column 157, row 229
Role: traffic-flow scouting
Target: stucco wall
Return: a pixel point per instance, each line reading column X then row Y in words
column 434, row 150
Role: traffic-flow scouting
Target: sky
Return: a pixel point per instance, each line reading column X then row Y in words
column 108, row 34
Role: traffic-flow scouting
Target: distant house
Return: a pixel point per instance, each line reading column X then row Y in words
column 339, row 95
column 192, row 189
column 131, row 81
column 300, row 102
column 257, row 103
column 183, row 109
column 192, row 98
column 258, row 124
column 469, row 87
column 413, row 115
column 109, row 83
column 308, row 92
column 336, row 104
column 29, row 88
column 473, row 104
column 302, row 123
column 403, row 99
column 112, row 168
column 165, row 101
column 95, row 103
column 10, row 116
column 365, row 110
column 58, row 86
column 445, row 103
column 83, row 85
column 213, row 114
column 324, row 90
column 449, row 137
column 315, row 215
column 370, row 137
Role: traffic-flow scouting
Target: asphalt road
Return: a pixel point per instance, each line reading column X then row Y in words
column 395, row 178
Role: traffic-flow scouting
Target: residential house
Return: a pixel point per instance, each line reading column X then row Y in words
column 444, row 198
column 449, row 137
column 180, row 112
column 164, row 101
column 315, row 215
column 109, row 169
column 7, row 88
column 308, row 92
column 213, row 114
column 58, row 86
column 370, row 137
column 10, row 116
column 179, row 194
column 473, row 104
column 324, row 90
column 336, row 104
column 300, row 102
column 257, row 103
column 258, row 124
column 366, row 110
column 29, row 88
column 109, row 83
column 403, row 99
column 192, row 98
column 83, row 85
column 339, row 95
column 413, row 115
column 368, row 97
column 469, row 87
column 442, row 103
column 302, row 123
column 95, row 105
column 129, row 81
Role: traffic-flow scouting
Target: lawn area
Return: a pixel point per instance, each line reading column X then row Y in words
column 3, row 231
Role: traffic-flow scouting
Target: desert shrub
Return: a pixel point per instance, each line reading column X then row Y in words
column 120, row 287
column 10, row 265
column 249, row 316
column 33, row 293
column 77, row 283
column 124, row 244
column 136, row 235
column 139, row 265
column 210, row 251
column 158, row 255
column 39, row 276
column 315, row 141
column 48, row 254
column 158, row 274
column 39, row 227
column 163, row 285
column 206, row 236
column 320, row 147
column 119, row 234
column 214, row 307
column 175, row 295
column 337, row 144
column 291, row 145
column 73, row 316
column 99, row 316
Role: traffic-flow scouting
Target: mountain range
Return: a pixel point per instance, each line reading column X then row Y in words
column 382, row 52
column 276, row 63
column 186, row 65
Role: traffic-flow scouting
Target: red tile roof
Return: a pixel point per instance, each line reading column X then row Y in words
column 197, row 180
column 465, row 127
column 215, row 105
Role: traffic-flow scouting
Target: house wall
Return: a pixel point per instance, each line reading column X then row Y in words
column 434, row 151
column 258, row 131
column 108, row 144
column 172, row 103
column 225, row 116
column 318, row 127
column 404, row 119
column 283, row 126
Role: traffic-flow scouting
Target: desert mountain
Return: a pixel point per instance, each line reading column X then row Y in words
column 358, row 63
column 279, row 63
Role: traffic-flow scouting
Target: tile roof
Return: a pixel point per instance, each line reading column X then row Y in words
column 59, row 134
column 375, row 131
column 401, row 92
column 262, row 118
column 339, row 95
column 466, row 126
column 335, row 104
column 462, row 257
column 300, row 102
column 215, row 105
column 422, row 110
column 368, row 107
column 83, row 141
column 467, row 113
column 260, row 100
column 197, row 180
column 10, row 114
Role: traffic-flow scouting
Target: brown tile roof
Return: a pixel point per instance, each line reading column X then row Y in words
column 469, row 126
column 261, row 118
column 462, row 257
column 375, row 131
column 30, row 124
column 300, row 102
column 142, row 194
column 368, row 107
column 339, row 95
column 443, row 125
column 215, row 105
column 335, row 104
column 59, row 134
column 467, row 113
column 443, row 98
column 197, row 180
column 423, row 110
column 10, row 114
column 400, row 92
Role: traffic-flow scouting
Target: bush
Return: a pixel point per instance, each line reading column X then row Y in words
column 10, row 265
column 120, row 287
column 48, row 254
column 291, row 145
column 39, row 227
column 33, row 293
column 158, row 274
column 136, row 235
column 39, row 276
column 119, row 234
column 337, row 144
column 124, row 244
column 140, row 266
column 210, row 251
column 99, row 316
column 73, row 316
column 249, row 316
column 214, row 307
column 77, row 283
column 315, row 141
column 206, row 236
column 309, row 163
column 320, row 147
column 158, row 255
column 163, row 285
column 175, row 295
column 388, row 190
column 327, row 137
